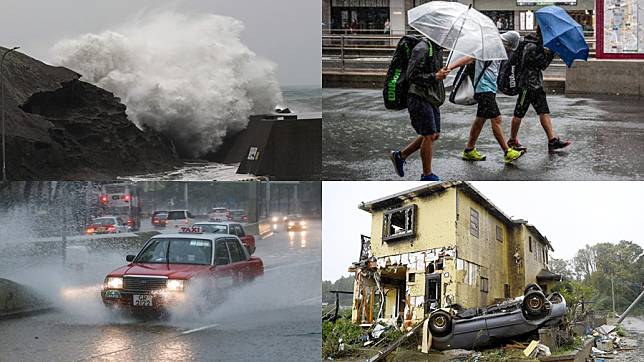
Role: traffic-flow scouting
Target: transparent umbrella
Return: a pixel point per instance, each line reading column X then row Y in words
column 459, row 28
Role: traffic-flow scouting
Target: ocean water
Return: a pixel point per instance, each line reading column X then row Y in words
column 303, row 100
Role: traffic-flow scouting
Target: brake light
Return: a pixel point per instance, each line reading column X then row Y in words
column 90, row 230
column 103, row 199
column 127, row 197
column 130, row 222
column 111, row 228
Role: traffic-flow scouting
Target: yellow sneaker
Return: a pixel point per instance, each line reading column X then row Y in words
column 472, row 155
column 511, row 154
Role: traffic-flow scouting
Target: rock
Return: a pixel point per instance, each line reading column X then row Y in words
column 61, row 128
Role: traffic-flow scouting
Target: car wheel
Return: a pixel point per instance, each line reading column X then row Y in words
column 531, row 286
column 440, row 323
column 534, row 304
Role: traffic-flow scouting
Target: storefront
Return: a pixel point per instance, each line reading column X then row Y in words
column 359, row 16
column 504, row 20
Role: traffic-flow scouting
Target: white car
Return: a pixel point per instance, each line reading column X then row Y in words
column 107, row 225
column 178, row 218
column 219, row 214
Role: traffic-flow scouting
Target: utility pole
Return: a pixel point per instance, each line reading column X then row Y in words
column 185, row 195
column 4, row 157
column 612, row 292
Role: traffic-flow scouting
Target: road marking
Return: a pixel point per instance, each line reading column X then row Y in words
column 199, row 329
column 203, row 328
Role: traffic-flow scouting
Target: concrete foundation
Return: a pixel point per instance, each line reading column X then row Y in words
column 606, row 76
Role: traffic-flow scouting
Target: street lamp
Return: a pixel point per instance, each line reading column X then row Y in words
column 4, row 162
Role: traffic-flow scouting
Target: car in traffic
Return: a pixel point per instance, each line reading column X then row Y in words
column 238, row 215
column 479, row 327
column 178, row 218
column 159, row 218
column 230, row 228
column 107, row 225
column 170, row 266
column 219, row 214
column 295, row 222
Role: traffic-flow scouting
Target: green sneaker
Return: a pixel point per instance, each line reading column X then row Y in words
column 472, row 155
column 511, row 154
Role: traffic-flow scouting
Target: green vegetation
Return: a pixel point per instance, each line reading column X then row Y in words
column 333, row 332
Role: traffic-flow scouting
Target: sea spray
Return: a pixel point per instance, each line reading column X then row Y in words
column 187, row 76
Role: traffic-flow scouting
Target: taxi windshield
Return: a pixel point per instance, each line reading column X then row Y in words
column 177, row 251
column 105, row 221
column 213, row 228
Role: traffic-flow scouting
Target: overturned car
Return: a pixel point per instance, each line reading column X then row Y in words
column 478, row 327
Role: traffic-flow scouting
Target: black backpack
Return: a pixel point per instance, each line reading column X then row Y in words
column 510, row 70
column 396, row 85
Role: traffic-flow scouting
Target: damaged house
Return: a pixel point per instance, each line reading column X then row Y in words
column 439, row 245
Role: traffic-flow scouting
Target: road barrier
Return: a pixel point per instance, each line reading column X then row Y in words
column 17, row 300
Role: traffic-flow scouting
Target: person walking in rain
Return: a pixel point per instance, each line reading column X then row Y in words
column 425, row 74
column 536, row 58
column 487, row 108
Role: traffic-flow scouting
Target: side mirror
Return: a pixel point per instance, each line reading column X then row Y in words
column 130, row 258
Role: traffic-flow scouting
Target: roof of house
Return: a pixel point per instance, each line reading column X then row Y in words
column 439, row 187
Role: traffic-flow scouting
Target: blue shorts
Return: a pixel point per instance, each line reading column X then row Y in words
column 425, row 118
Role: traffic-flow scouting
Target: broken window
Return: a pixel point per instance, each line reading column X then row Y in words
column 484, row 285
column 530, row 243
column 474, row 222
column 499, row 233
column 411, row 278
column 399, row 223
column 506, row 291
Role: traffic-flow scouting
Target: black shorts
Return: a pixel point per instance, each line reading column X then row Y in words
column 425, row 118
column 534, row 97
column 487, row 107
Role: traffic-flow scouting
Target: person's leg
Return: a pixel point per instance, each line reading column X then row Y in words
column 520, row 109
column 498, row 133
column 426, row 153
column 411, row 147
column 475, row 132
column 514, row 127
column 546, row 123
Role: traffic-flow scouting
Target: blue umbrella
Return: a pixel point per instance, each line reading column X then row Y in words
column 562, row 34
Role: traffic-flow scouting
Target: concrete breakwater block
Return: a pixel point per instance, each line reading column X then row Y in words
column 16, row 299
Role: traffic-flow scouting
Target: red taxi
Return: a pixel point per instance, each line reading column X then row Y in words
column 168, row 265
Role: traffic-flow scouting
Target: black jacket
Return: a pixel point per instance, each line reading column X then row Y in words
column 426, row 59
column 535, row 60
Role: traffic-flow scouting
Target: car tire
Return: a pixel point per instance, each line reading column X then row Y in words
column 440, row 323
column 532, row 286
column 534, row 304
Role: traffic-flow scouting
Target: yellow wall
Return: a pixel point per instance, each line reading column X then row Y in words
column 434, row 226
column 485, row 251
column 533, row 260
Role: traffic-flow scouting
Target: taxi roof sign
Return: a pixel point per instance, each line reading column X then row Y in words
column 190, row 230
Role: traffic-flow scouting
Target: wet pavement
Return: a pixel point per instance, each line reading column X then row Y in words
column 607, row 134
column 275, row 318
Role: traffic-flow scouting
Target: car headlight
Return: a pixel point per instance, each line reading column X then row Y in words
column 285, row 218
column 174, row 285
column 114, row 282
column 302, row 223
column 274, row 218
column 290, row 223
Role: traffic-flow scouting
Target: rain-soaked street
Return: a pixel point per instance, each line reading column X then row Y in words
column 275, row 317
column 607, row 134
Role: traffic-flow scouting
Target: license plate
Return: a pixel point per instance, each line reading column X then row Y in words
column 142, row 300
column 100, row 230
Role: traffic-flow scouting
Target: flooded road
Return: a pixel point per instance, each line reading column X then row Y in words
column 260, row 321
column 607, row 136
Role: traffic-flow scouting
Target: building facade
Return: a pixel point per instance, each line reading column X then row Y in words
column 440, row 245
column 390, row 16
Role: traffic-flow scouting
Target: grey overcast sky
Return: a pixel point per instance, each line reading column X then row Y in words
column 288, row 32
column 570, row 214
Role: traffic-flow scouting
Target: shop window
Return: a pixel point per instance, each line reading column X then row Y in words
column 484, row 285
column 504, row 20
column 499, row 233
column 474, row 222
column 399, row 223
